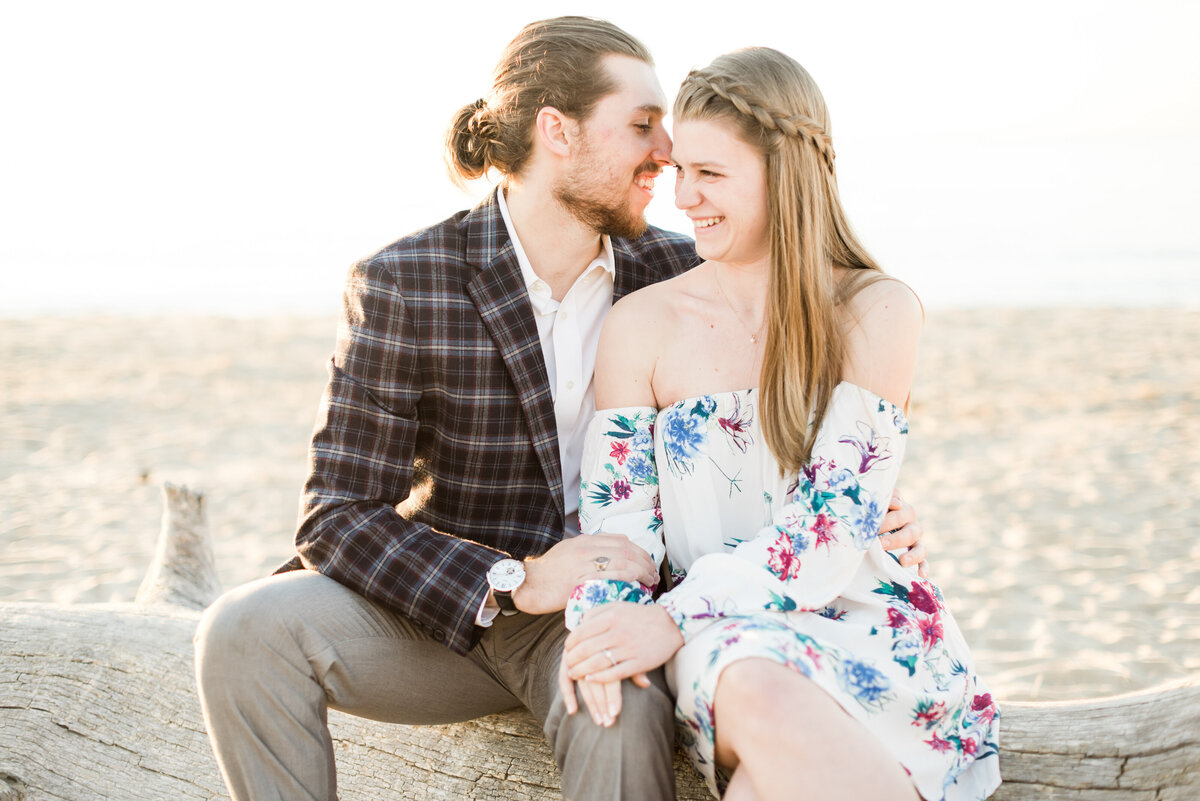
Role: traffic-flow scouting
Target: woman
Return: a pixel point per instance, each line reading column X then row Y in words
column 803, row 657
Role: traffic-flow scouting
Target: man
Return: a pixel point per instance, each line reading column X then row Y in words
column 437, row 521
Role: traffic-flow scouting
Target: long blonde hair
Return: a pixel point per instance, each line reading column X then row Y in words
column 775, row 105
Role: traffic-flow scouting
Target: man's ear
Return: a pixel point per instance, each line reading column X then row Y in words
column 556, row 130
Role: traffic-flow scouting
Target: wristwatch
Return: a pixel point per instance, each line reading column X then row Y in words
column 504, row 577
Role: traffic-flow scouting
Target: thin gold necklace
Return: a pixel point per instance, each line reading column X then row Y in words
column 753, row 334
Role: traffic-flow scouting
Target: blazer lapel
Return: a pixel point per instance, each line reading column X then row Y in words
column 630, row 274
column 500, row 295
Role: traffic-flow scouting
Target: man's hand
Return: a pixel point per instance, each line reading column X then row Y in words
column 551, row 577
column 900, row 529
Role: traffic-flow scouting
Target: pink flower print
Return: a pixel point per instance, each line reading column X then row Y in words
column 922, row 598
column 928, row 714
column 733, row 638
column 931, row 632
column 871, row 449
column 897, row 619
column 783, row 561
column 939, row 745
column 621, row 489
column 814, row 468
column 825, row 530
column 794, row 520
column 620, row 451
column 985, row 706
column 969, row 745
column 737, row 425
column 813, row 656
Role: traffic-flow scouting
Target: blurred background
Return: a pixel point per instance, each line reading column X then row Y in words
column 184, row 186
column 235, row 157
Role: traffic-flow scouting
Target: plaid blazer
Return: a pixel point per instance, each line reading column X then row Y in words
column 435, row 451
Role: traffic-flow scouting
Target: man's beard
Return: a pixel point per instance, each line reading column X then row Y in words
column 582, row 195
column 605, row 217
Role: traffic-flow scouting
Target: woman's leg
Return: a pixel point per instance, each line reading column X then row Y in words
column 740, row 788
column 789, row 739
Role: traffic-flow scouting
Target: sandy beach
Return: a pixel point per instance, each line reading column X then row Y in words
column 1054, row 459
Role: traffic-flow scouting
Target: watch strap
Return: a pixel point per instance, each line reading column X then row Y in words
column 504, row 601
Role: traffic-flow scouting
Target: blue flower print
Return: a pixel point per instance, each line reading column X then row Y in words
column 683, row 438
column 833, row 613
column 864, row 520
column 843, row 482
column 643, row 438
column 597, row 593
column 865, row 682
column 898, row 418
column 640, row 468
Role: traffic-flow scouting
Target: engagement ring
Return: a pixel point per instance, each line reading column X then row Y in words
column 610, row 657
column 601, row 563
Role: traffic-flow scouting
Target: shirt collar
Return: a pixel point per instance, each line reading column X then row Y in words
column 603, row 259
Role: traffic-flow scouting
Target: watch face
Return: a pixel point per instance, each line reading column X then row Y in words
column 506, row 575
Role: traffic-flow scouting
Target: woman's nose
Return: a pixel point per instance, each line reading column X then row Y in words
column 685, row 193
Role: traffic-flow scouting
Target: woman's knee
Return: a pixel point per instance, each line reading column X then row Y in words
column 756, row 703
column 757, row 688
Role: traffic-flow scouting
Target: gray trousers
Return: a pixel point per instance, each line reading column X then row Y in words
column 273, row 655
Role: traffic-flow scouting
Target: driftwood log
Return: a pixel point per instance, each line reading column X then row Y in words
column 98, row 701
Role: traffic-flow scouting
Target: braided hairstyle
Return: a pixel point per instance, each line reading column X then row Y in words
column 774, row 105
column 554, row 62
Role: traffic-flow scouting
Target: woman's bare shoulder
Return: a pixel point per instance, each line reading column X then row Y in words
column 634, row 334
column 883, row 324
column 885, row 297
column 650, row 309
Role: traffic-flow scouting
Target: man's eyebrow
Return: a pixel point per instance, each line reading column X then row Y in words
column 651, row 108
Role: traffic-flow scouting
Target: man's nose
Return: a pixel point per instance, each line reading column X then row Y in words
column 662, row 149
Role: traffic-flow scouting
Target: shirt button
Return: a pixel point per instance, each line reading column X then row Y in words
column 562, row 315
column 570, row 385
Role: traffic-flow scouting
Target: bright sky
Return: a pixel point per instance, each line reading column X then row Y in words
column 237, row 156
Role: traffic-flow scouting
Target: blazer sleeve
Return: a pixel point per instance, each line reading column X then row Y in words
column 361, row 463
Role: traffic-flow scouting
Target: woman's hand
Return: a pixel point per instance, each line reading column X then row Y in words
column 616, row 641
column 603, row 699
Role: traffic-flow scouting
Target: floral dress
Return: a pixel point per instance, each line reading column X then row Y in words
column 790, row 568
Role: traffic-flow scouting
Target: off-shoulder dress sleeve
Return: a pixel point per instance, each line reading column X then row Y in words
column 817, row 540
column 619, row 495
